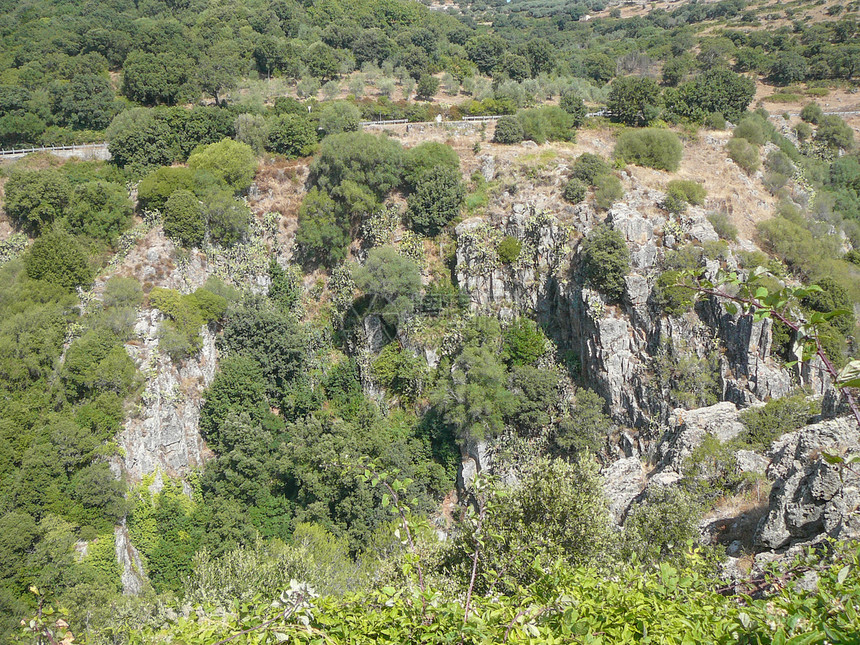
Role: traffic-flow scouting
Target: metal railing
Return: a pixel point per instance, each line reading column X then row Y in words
column 82, row 146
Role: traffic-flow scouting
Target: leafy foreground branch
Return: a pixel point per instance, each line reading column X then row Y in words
column 752, row 297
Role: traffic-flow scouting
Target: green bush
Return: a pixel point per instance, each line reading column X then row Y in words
column 744, row 154
column 803, row 132
column 227, row 217
column 509, row 250
column 715, row 121
column 574, row 191
column 391, row 281
column 323, row 233
column 99, row 209
column 427, row 156
column 651, row 147
column 657, row 527
column 587, row 427
column 523, row 342
column 670, row 296
column 723, row 226
column 292, row 135
column 812, row 113
column 437, row 200
column 373, row 162
column 589, row 167
column 400, row 371
column 548, row 123
column 340, row 116
column 608, row 190
column 692, row 191
column 427, row 86
column 57, row 258
column 751, row 128
column 765, row 424
column 183, row 219
column 231, row 161
column 634, row 100
column 835, row 133
column 571, row 102
column 508, row 130
column 179, row 335
column 605, row 261
column 35, row 198
column 155, row 189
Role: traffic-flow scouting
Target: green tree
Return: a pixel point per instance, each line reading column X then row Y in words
column 651, row 147
column 99, row 209
column 599, row 67
column 155, row 189
column 523, row 342
column 340, row 116
column 56, row 258
column 586, row 428
column 227, row 217
column 252, row 129
column 427, row 156
column 588, row 167
column 571, row 102
column 508, row 130
column 137, row 140
column 436, row 200
column 322, row 61
column 85, row 102
column 292, row 135
column 835, row 133
column 634, row 100
column 35, row 198
column 485, row 51
column 427, row 87
column 574, row 190
column 370, row 161
column 183, row 219
column 789, row 67
column 323, row 233
column 231, row 161
column 218, row 68
column 153, row 79
column 605, row 261
column 392, row 282
column 714, row 91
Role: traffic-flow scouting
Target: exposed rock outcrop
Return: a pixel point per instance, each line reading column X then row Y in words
column 688, row 429
column 133, row 578
column 811, row 498
column 623, row 480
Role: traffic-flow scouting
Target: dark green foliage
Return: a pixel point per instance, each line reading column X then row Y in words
column 834, row 132
column 139, row 141
column 651, row 147
column 680, row 193
column 427, row 86
column 183, row 219
column 833, row 297
column 605, row 261
column 153, row 78
column 292, row 135
column 608, row 190
column 723, row 226
column 744, row 154
column 57, row 258
column 776, row 417
column 753, row 128
column 226, row 216
column 523, row 342
column 99, row 209
column 179, row 335
column 285, row 289
column 85, row 102
column 574, row 191
column 571, row 102
column 714, row 91
column 549, row 123
column 508, row 130
column 323, row 233
column 340, row 116
column 585, row 430
column 35, row 198
column 656, row 528
column 589, row 167
column 400, row 371
column 672, row 298
column 155, row 189
column 789, row 67
column 271, row 337
column 715, row 121
column 509, row 250
column 375, row 163
column 392, row 282
column 231, row 161
column 634, row 100
column 427, row 156
column 812, row 113
column 436, row 200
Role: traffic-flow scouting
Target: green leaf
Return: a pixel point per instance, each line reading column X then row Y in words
column 850, row 375
column 731, row 308
column 831, row 458
column 386, row 500
column 843, row 573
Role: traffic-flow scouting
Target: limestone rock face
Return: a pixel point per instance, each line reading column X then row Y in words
column 133, row 578
column 623, row 480
column 688, row 429
column 164, row 433
column 811, row 498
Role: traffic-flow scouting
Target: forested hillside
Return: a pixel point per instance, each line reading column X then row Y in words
column 566, row 353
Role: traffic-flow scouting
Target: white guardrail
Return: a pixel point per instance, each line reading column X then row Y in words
column 25, row 151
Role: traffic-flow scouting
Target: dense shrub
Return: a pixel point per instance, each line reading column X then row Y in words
column 765, row 424
column 509, row 250
column 574, row 191
column 634, row 100
column 753, row 129
column 183, row 219
column 654, row 527
column 139, row 141
column 834, row 132
column 812, row 113
column 392, row 282
column 723, row 226
column 680, row 193
column 373, row 162
column 650, row 147
column 523, row 342
column 155, row 189
column 608, row 190
column 744, row 154
column 571, row 102
column 427, row 156
column 99, row 209
column 605, row 261
column 549, row 123
column 437, row 200
column 291, row 135
column 586, row 429
column 715, row 121
column 227, row 217
column 588, row 167
column 323, row 233
column 57, row 258
column 35, row 198
column 508, row 130
column 427, row 86
column 670, row 295
column 716, row 91
column 340, row 116
column 231, row 161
